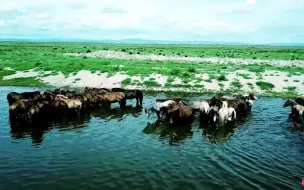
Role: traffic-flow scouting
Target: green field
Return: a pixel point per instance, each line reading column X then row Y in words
column 50, row 57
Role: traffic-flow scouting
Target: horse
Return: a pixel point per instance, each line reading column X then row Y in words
column 223, row 113
column 300, row 101
column 245, row 97
column 203, row 107
column 131, row 94
column 112, row 97
column 238, row 105
column 231, row 114
column 297, row 110
column 73, row 103
column 158, row 108
column 14, row 96
column 19, row 109
column 179, row 113
column 213, row 115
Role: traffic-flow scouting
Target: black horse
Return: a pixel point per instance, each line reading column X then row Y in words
column 14, row 96
column 300, row 101
column 131, row 94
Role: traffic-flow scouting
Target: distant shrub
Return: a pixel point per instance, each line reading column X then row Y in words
column 249, row 84
column 185, row 74
column 175, row 72
column 170, row 80
column 222, row 78
column 265, row 85
column 123, row 50
column 151, row 82
column 191, row 70
column 38, row 64
column 178, row 54
column 126, row 81
column 290, row 88
column 236, row 84
column 186, row 55
column 89, row 51
column 130, row 53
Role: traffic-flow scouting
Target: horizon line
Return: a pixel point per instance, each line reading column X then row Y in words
column 145, row 41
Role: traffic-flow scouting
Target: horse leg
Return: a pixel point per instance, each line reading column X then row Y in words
column 123, row 103
column 137, row 101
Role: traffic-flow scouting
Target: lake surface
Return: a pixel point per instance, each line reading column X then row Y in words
column 123, row 149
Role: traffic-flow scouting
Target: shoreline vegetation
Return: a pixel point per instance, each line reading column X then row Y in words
column 263, row 70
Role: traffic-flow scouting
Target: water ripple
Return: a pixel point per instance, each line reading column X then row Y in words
column 120, row 150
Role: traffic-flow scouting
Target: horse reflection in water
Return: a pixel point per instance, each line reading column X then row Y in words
column 174, row 135
column 36, row 130
column 117, row 113
column 222, row 134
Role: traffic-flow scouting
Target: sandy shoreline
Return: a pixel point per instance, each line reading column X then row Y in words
column 109, row 54
column 84, row 78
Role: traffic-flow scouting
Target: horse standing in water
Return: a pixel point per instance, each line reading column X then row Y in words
column 160, row 108
column 131, row 94
column 297, row 110
column 223, row 113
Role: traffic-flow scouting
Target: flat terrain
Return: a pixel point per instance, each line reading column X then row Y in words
column 194, row 68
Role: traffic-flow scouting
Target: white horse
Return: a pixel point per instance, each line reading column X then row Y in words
column 231, row 114
column 224, row 113
column 157, row 107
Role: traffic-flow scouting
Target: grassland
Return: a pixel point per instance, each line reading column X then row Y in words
column 49, row 62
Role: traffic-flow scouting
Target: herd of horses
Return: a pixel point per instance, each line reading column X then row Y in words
column 218, row 110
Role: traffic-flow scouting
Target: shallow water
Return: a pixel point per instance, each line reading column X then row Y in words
column 123, row 149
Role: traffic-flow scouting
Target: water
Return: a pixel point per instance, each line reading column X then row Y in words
column 123, row 149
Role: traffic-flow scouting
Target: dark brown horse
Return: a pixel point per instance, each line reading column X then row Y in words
column 180, row 113
column 14, row 96
column 131, row 94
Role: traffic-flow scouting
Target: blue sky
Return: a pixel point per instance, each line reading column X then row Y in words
column 252, row 21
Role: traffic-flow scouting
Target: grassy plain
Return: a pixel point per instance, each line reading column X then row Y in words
column 43, row 57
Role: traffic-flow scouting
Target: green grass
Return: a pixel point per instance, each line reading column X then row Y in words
column 22, row 56
column 236, row 84
column 29, row 81
column 290, row 88
column 245, row 76
column 265, row 85
column 151, row 83
column 222, row 78
column 127, row 81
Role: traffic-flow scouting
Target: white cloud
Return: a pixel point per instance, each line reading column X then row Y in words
column 251, row 2
column 171, row 19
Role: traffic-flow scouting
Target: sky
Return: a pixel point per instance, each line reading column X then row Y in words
column 248, row 21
